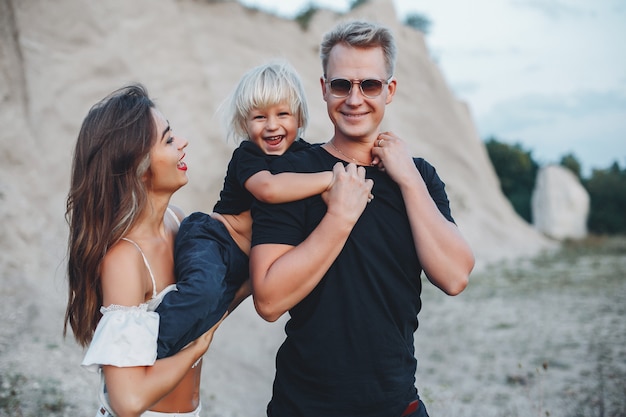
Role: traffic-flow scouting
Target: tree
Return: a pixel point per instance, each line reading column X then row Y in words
column 570, row 162
column 517, row 172
column 357, row 3
column 419, row 22
column 304, row 17
column 607, row 193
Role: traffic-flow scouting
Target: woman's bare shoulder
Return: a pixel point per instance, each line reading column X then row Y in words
column 123, row 275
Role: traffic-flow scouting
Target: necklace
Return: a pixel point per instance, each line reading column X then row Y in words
column 356, row 161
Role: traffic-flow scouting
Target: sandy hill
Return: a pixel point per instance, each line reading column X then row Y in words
column 57, row 58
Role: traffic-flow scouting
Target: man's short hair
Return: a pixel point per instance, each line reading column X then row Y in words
column 360, row 34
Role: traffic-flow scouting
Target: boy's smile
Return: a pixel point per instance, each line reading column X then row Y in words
column 273, row 128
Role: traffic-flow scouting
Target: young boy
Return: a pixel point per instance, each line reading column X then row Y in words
column 268, row 112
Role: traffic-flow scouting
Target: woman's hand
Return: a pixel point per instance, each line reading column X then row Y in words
column 202, row 343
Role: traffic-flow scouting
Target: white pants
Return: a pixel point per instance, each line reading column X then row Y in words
column 103, row 412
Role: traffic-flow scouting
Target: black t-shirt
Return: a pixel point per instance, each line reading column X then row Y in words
column 349, row 349
column 247, row 160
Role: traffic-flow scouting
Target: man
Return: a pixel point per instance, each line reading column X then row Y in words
column 349, row 349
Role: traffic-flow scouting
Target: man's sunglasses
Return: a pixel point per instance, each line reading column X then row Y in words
column 370, row 88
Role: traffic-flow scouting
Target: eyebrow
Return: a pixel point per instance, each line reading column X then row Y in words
column 167, row 129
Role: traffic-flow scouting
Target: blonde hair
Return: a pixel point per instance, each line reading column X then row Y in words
column 263, row 86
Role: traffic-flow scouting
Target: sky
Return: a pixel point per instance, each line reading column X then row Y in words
column 549, row 75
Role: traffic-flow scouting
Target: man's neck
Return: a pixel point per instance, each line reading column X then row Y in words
column 355, row 151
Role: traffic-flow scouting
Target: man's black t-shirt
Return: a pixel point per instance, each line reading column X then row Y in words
column 349, row 349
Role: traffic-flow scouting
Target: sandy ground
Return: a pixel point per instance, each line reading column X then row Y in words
column 541, row 337
column 535, row 337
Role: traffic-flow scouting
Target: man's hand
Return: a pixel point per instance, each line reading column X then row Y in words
column 394, row 157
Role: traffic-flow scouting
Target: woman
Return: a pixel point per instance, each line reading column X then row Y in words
column 127, row 164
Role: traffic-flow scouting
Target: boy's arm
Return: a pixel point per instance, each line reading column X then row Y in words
column 287, row 186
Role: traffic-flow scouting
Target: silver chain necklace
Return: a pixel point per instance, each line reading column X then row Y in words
column 356, row 161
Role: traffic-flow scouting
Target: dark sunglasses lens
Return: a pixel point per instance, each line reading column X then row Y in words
column 371, row 88
column 340, row 87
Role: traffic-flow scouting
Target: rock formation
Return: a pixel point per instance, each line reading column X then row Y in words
column 560, row 204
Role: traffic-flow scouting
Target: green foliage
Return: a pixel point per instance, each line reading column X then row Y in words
column 357, row 3
column 607, row 192
column 304, row 17
column 570, row 162
column 419, row 22
column 517, row 171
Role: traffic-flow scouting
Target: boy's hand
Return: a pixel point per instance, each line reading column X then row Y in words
column 349, row 193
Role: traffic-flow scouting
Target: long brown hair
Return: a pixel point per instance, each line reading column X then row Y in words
column 106, row 195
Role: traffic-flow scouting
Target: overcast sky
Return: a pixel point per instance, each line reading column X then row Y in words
column 549, row 74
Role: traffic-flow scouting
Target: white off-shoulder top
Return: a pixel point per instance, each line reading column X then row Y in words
column 127, row 335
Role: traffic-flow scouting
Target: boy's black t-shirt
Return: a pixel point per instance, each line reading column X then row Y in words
column 349, row 348
column 247, row 160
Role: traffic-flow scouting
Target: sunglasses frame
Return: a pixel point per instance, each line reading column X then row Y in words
column 360, row 83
